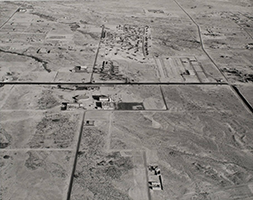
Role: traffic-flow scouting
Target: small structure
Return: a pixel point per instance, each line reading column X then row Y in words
column 98, row 105
column 67, row 105
column 249, row 46
column 43, row 50
column 188, row 72
column 64, row 106
column 80, row 69
column 103, row 98
column 90, row 123
column 192, row 59
column 22, row 10
column 191, row 72
column 184, row 60
column 155, row 169
column 8, row 77
column 100, row 97
column 219, row 80
column 138, row 107
column 154, row 185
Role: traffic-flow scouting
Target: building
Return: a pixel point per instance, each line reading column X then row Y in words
column 81, row 69
column 104, row 98
column 90, row 123
column 64, row 106
column 184, row 60
column 154, row 185
column 192, row 59
column 67, row 105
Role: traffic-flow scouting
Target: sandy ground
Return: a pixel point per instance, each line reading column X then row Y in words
column 193, row 125
column 198, row 154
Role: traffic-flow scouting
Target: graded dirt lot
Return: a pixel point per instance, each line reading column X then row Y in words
column 104, row 174
column 28, row 174
column 247, row 92
column 39, row 130
column 36, row 153
column 236, row 65
column 126, row 100
column 201, row 98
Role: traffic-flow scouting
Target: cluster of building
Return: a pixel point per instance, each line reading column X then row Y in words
column 155, row 178
column 145, row 41
column 87, row 100
column 99, row 102
column 109, row 71
column 103, row 102
column 78, row 101
column 9, row 76
column 129, row 39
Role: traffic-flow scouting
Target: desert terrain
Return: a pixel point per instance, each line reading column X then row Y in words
column 126, row 100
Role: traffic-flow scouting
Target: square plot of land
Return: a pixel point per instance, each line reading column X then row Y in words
column 189, row 148
column 115, row 175
column 42, row 76
column 202, row 98
column 185, row 69
column 123, row 55
column 33, row 175
column 225, row 38
column 14, row 68
column 97, row 115
column 231, row 57
column 236, row 65
column 175, row 39
column 6, row 11
column 5, row 90
column 124, row 70
column 247, row 91
column 23, row 97
column 249, row 31
column 101, row 173
column 39, row 130
column 73, row 77
column 214, row 19
column 95, row 133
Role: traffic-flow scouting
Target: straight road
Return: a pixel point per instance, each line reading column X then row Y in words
column 96, row 56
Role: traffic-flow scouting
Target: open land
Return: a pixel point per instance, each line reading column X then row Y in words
column 126, row 100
